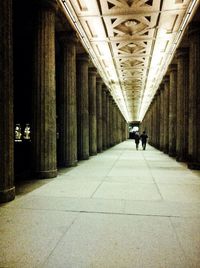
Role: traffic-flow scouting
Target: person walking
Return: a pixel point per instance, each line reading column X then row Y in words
column 144, row 138
column 137, row 139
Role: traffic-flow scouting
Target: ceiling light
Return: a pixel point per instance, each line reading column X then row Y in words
column 132, row 45
column 131, row 23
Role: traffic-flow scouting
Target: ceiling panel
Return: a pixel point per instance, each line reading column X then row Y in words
column 130, row 41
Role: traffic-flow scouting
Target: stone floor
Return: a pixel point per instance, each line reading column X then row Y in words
column 122, row 208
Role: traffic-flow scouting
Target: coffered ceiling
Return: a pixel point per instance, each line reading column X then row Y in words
column 131, row 42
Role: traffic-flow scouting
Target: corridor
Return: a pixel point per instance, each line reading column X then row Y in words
column 120, row 209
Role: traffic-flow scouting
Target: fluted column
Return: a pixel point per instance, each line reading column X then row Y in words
column 44, row 93
column 115, row 122
column 104, row 117
column 107, row 119
column 172, row 108
column 92, row 112
column 182, row 56
column 111, row 120
column 117, row 125
column 99, row 115
column 7, row 189
column 82, row 107
column 158, row 119
column 154, row 121
column 67, row 145
column 161, row 116
column 166, row 114
column 194, row 95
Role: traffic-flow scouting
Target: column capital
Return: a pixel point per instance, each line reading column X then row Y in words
column 157, row 92
column 67, row 37
column 92, row 70
column 194, row 28
column 47, row 4
column 104, row 87
column 111, row 97
column 161, row 86
column 99, row 80
column 182, row 52
column 172, row 67
column 166, row 79
column 83, row 57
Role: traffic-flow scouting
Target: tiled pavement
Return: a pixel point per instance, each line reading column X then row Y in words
column 120, row 209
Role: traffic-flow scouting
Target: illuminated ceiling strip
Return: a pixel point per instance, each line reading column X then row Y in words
column 71, row 14
column 174, row 46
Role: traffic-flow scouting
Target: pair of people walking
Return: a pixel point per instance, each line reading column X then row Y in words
column 143, row 138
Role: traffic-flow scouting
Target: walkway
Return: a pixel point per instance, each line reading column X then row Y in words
column 122, row 208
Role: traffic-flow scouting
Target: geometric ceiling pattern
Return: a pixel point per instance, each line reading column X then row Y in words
column 130, row 42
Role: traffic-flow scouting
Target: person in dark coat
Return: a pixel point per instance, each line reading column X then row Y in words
column 137, row 139
column 144, row 138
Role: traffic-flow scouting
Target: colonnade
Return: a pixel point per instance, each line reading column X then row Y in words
column 172, row 120
column 74, row 115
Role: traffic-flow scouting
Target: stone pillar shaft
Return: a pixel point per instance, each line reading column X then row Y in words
column 82, row 107
column 111, row 120
column 166, row 114
column 182, row 103
column 194, row 93
column 7, row 189
column 158, row 120
column 107, row 119
column 67, row 103
column 99, row 115
column 44, row 95
column 172, row 109
column 104, row 117
column 162, row 117
column 92, row 112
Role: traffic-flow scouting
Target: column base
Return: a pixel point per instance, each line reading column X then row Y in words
column 72, row 164
column 172, row 154
column 194, row 165
column 7, row 195
column 93, row 153
column 99, row 151
column 46, row 174
column 84, row 157
column 180, row 158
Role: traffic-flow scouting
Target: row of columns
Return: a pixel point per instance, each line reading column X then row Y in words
column 172, row 119
column 89, row 119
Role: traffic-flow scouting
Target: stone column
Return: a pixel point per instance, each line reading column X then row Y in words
column 67, row 102
column 115, row 123
column 111, row 119
column 82, row 106
column 7, row 189
column 182, row 56
column 194, row 95
column 107, row 119
column 172, row 109
column 125, row 129
column 99, row 115
column 158, row 119
column 151, row 123
column 166, row 114
column 92, row 112
column 161, row 116
column 44, row 93
column 104, row 117
column 120, row 126
column 154, row 121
